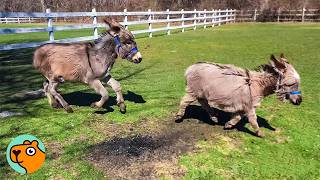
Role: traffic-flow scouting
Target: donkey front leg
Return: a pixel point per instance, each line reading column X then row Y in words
column 185, row 102
column 115, row 85
column 52, row 90
column 233, row 121
column 99, row 88
column 252, row 117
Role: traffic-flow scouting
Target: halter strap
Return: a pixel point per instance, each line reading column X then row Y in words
column 118, row 46
column 295, row 92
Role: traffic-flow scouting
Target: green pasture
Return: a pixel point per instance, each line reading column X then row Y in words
column 153, row 88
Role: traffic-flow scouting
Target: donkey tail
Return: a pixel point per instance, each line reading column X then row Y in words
column 39, row 58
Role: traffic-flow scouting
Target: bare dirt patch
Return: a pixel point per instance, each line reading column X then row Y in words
column 149, row 149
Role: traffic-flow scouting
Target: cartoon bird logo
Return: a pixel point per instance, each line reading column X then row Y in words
column 28, row 155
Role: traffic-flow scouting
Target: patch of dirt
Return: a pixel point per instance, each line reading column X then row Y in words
column 149, row 149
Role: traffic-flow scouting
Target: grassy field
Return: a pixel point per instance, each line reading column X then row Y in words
column 153, row 90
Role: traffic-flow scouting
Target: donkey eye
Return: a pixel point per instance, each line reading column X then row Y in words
column 31, row 151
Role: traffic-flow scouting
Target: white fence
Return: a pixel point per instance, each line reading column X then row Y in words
column 169, row 19
column 279, row 15
column 6, row 20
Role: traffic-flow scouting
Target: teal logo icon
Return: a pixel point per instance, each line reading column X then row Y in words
column 26, row 154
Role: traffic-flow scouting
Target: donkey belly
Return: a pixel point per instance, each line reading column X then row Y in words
column 69, row 62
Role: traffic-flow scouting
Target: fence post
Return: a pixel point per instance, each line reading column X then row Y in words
column 95, row 28
column 213, row 15
column 195, row 19
column 234, row 15
column 227, row 16
column 303, row 14
column 29, row 20
column 150, row 25
column 50, row 29
column 125, row 20
column 18, row 20
column 219, row 14
column 168, row 24
column 205, row 18
column 278, row 17
column 182, row 18
column 255, row 15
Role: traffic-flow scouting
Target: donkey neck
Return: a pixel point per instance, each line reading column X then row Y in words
column 263, row 84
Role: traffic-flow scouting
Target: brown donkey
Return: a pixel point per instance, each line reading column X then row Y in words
column 239, row 91
column 86, row 62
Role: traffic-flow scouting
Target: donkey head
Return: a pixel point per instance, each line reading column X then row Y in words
column 126, row 47
column 288, row 85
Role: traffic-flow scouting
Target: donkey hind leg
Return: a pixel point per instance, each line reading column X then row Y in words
column 210, row 111
column 52, row 101
column 53, row 91
column 99, row 88
column 115, row 85
column 252, row 117
column 185, row 102
column 233, row 121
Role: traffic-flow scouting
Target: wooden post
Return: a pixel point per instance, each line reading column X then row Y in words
column 168, row 24
column 278, row 17
column 213, row 15
column 303, row 14
column 182, row 23
column 95, row 28
column 6, row 20
column 227, row 16
column 219, row 14
column 234, row 15
column 18, row 20
column 255, row 15
column 150, row 25
column 51, row 36
column 195, row 19
column 125, row 20
column 205, row 18
column 29, row 20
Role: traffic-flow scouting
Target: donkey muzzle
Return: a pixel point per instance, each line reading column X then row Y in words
column 137, row 58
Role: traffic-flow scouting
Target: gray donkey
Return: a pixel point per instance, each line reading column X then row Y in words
column 239, row 91
column 86, row 62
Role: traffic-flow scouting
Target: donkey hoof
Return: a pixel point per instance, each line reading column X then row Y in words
column 69, row 109
column 214, row 119
column 259, row 133
column 178, row 119
column 95, row 105
column 228, row 126
column 123, row 108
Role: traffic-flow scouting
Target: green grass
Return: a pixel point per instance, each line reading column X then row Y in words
column 290, row 152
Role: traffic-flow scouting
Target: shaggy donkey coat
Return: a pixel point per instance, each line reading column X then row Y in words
column 239, row 91
column 86, row 62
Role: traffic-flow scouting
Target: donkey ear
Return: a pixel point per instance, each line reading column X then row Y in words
column 276, row 64
column 283, row 59
column 114, row 25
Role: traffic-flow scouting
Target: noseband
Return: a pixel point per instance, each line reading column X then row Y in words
column 280, row 90
column 118, row 46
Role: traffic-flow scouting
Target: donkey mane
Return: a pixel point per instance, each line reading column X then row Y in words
column 234, row 70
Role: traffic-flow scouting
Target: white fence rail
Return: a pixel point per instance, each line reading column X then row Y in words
column 173, row 20
column 8, row 20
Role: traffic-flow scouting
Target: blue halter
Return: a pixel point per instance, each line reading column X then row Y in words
column 295, row 92
column 118, row 46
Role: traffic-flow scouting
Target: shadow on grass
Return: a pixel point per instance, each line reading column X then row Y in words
column 86, row 99
column 197, row 112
